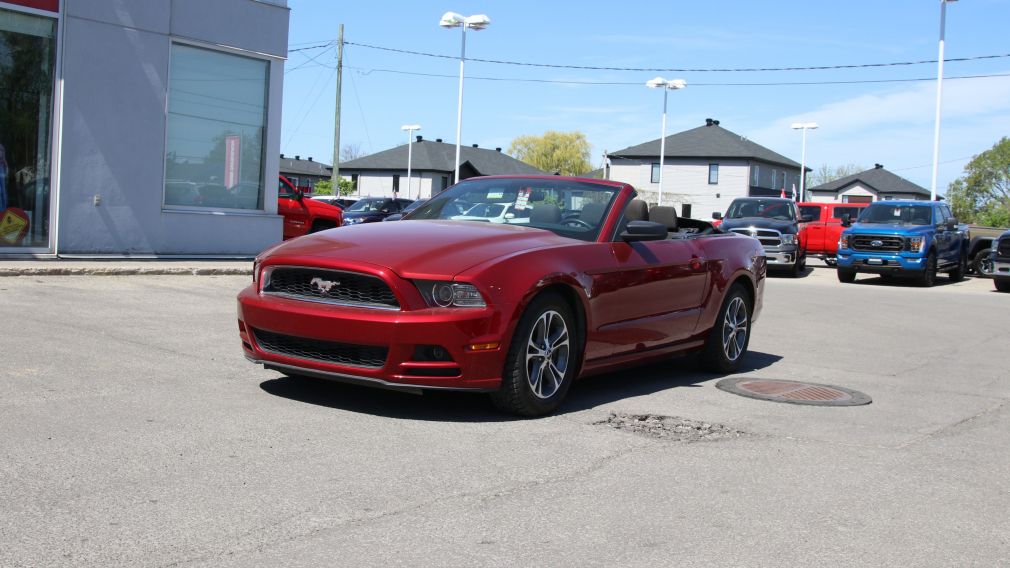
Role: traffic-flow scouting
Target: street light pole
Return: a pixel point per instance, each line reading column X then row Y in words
column 939, row 95
column 804, row 126
column 476, row 22
column 410, row 128
column 666, row 85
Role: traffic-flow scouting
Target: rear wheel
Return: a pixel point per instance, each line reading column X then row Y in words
column 846, row 275
column 928, row 276
column 982, row 264
column 1002, row 284
column 542, row 360
column 958, row 273
column 727, row 341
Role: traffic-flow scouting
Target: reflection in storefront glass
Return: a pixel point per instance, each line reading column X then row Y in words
column 216, row 123
column 27, row 60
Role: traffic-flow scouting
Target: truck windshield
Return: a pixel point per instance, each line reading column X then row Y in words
column 767, row 208
column 897, row 214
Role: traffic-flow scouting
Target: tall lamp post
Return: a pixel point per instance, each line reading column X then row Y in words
column 667, row 85
column 939, row 93
column 410, row 128
column 476, row 22
column 804, row 126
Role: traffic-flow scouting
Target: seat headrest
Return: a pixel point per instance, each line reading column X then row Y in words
column 592, row 212
column 664, row 215
column 637, row 210
column 546, row 213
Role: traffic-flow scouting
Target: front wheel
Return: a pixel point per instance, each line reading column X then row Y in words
column 1002, row 284
column 727, row 341
column 846, row 276
column 928, row 276
column 958, row 273
column 982, row 263
column 542, row 360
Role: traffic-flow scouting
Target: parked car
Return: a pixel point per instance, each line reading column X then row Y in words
column 301, row 215
column 1000, row 262
column 335, row 200
column 775, row 222
column 904, row 238
column 372, row 209
column 980, row 244
column 820, row 234
column 407, row 209
column 519, row 309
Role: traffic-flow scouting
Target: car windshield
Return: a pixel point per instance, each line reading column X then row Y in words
column 566, row 207
column 897, row 214
column 767, row 208
column 413, row 205
column 366, row 205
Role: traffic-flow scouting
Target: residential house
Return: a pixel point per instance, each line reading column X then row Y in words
column 432, row 168
column 304, row 173
column 867, row 187
column 704, row 169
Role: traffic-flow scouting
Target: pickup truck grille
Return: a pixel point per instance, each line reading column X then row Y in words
column 768, row 237
column 1003, row 249
column 367, row 356
column 329, row 287
column 884, row 243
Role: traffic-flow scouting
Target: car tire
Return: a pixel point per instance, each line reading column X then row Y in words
column 958, row 273
column 982, row 263
column 725, row 347
column 799, row 267
column 543, row 357
column 928, row 276
column 831, row 262
column 1001, row 284
column 846, row 275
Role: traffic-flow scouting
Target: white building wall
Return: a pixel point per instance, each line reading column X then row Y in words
column 686, row 182
column 857, row 190
column 821, row 196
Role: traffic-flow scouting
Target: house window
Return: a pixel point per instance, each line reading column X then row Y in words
column 685, row 210
column 217, row 110
column 354, row 183
column 655, row 173
column 445, row 183
column 713, row 174
column 775, row 179
column 396, row 183
column 755, row 174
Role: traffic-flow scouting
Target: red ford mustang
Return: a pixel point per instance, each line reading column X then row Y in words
column 511, row 285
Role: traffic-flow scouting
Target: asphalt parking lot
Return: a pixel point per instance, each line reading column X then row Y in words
column 136, row 434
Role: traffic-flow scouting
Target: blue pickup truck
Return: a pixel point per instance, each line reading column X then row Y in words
column 904, row 238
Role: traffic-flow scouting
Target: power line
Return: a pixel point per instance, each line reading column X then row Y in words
column 682, row 69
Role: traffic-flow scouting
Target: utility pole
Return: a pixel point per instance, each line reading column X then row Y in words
column 335, row 177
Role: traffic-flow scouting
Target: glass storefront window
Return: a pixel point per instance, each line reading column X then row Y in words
column 27, row 62
column 217, row 108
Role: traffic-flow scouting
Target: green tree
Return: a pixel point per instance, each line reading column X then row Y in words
column 325, row 187
column 982, row 194
column 566, row 153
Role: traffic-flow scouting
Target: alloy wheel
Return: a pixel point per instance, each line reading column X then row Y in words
column 734, row 329
column 547, row 354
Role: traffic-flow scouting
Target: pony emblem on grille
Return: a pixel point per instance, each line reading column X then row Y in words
column 323, row 286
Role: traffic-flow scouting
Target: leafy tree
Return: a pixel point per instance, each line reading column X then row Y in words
column 826, row 173
column 325, row 187
column 982, row 194
column 566, row 153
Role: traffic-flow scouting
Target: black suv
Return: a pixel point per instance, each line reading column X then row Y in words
column 372, row 209
column 1000, row 270
column 775, row 222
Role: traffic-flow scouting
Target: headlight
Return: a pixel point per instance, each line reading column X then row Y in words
column 789, row 239
column 256, row 270
column 843, row 242
column 449, row 294
column 914, row 244
column 352, row 221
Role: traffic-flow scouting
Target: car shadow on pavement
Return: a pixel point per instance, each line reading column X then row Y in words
column 899, row 281
column 475, row 407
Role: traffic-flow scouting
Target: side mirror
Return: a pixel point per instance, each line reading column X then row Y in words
column 846, row 220
column 384, row 210
column 717, row 216
column 644, row 231
column 951, row 224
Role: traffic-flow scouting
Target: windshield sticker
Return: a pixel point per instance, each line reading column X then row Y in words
column 495, row 195
column 523, row 199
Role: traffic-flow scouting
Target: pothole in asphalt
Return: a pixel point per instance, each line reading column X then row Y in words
column 669, row 427
column 794, row 392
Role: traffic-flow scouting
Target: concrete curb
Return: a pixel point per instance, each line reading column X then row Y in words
column 105, row 270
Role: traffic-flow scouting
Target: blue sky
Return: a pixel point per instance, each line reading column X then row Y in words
column 860, row 123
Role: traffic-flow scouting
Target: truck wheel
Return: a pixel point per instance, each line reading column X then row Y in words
column 846, row 275
column 958, row 273
column 1002, row 284
column 928, row 277
column 981, row 263
column 727, row 341
column 799, row 267
column 831, row 262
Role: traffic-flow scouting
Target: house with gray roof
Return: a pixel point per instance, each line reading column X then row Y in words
column 704, row 169
column 304, row 173
column 867, row 187
column 433, row 165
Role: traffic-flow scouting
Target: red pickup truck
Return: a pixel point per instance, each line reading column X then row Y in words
column 820, row 236
column 303, row 215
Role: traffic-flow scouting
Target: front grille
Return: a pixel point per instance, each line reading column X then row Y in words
column 768, row 237
column 368, row 356
column 882, row 243
column 330, row 286
column 1003, row 249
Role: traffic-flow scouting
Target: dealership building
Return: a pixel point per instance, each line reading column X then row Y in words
column 140, row 128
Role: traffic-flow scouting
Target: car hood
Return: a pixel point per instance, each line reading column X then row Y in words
column 760, row 223
column 414, row 249
column 887, row 229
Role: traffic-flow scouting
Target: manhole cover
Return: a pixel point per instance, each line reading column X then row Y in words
column 794, row 392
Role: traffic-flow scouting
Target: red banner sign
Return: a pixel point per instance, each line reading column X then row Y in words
column 232, row 152
column 48, row 5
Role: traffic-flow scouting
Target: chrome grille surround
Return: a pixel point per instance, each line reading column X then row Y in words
column 328, row 286
column 768, row 237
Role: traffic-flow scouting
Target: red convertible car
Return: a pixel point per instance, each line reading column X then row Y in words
column 577, row 277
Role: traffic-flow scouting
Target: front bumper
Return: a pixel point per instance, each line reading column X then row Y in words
column 880, row 263
column 781, row 256
column 1000, row 268
column 399, row 332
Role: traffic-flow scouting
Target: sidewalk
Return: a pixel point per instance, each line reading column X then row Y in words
column 76, row 267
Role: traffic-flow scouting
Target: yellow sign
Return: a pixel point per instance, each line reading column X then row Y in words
column 13, row 226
